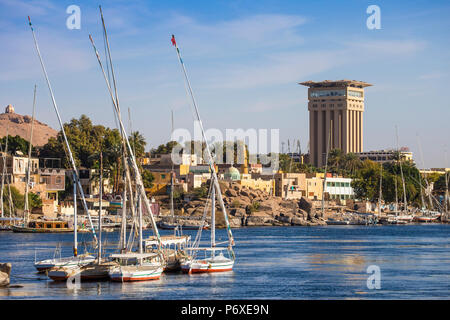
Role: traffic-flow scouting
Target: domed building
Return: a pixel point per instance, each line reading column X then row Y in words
column 9, row 109
column 232, row 174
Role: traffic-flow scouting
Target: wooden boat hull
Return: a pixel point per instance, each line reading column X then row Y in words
column 425, row 219
column 40, row 230
column 63, row 273
column 95, row 271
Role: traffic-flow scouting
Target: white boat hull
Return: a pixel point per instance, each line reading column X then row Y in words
column 47, row 264
column 207, row 266
column 135, row 273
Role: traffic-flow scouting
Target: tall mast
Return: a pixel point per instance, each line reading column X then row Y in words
column 4, row 171
column 325, row 175
column 100, row 196
column 426, row 181
column 27, row 208
column 381, row 184
column 171, row 181
column 75, row 218
column 401, row 172
column 116, row 108
column 139, row 183
column 141, row 250
column 69, row 151
column 396, row 197
column 213, row 220
column 208, row 150
column 123, row 227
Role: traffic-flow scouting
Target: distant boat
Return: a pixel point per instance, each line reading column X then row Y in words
column 173, row 226
column 43, row 227
column 426, row 219
column 337, row 222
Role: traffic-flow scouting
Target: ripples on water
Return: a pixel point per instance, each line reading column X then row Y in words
column 272, row 263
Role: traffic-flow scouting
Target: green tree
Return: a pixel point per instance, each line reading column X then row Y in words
column 137, row 143
column 147, row 178
column 335, row 160
column 16, row 143
column 165, row 148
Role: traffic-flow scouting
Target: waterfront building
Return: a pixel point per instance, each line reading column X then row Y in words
column 290, row 185
column 339, row 188
column 336, row 107
column 314, row 187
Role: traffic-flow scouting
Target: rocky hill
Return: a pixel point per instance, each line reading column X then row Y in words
column 21, row 125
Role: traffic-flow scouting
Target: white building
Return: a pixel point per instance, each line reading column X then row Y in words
column 339, row 188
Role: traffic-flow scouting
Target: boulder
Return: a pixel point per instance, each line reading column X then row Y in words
column 238, row 212
column 302, row 214
column 297, row 221
column 235, row 222
column 244, row 193
column 231, row 193
column 284, row 219
column 305, row 204
column 5, row 270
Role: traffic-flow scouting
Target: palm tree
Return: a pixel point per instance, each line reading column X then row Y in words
column 351, row 162
column 335, row 158
column 137, row 143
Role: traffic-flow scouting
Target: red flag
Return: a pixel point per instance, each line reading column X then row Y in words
column 173, row 40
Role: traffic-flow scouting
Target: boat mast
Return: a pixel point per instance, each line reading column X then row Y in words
column 4, row 171
column 116, row 109
column 140, row 225
column 100, row 196
column 27, row 208
column 208, row 150
column 139, row 183
column 172, row 212
column 326, row 167
column 69, row 151
column 426, row 181
column 213, row 220
column 75, row 219
column 381, row 184
column 396, row 196
column 401, row 172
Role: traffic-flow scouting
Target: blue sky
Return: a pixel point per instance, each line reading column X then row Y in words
column 244, row 59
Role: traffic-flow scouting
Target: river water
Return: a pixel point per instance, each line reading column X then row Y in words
column 332, row 262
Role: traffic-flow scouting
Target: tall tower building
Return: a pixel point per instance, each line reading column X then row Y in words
column 335, row 117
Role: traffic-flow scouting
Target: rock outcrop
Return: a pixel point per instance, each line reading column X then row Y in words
column 5, row 270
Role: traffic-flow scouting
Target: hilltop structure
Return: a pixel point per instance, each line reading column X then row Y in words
column 20, row 125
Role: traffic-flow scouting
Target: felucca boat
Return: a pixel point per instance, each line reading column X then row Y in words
column 67, row 262
column 210, row 262
column 144, row 265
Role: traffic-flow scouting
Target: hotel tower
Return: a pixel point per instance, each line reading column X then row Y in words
column 335, row 117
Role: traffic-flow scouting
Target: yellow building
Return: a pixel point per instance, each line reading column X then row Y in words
column 256, row 184
column 314, row 188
